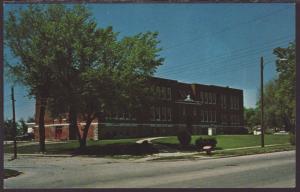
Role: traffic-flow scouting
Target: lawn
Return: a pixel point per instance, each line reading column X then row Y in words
column 70, row 146
column 232, row 141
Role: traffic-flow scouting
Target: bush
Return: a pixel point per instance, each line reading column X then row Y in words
column 184, row 137
column 292, row 139
column 201, row 142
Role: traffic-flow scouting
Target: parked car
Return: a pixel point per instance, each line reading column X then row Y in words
column 25, row 137
column 281, row 133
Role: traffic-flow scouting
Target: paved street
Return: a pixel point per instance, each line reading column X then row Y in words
column 264, row 170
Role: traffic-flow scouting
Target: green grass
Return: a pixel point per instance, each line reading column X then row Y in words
column 257, row 150
column 232, row 141
column 10, row 173
column 236, row 152
column 66, row 148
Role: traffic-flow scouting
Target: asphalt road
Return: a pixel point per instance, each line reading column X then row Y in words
column 255, row 171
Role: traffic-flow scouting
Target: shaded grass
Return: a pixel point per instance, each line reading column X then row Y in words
column 69, row 147
column 230, row 141
column 10, row 173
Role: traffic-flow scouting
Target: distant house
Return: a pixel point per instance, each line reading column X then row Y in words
column 177, row 106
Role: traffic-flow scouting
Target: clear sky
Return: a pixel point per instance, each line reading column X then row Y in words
column 214, row 44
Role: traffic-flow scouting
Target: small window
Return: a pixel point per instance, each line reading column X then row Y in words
column 163, row 113
column 183, row 110
column 201, row 97
column 152, row 109
column 214, row 98
column 157, row 113
column 163, row 92
column 169, row 93
column 169, row 114
column 194, row 111
column 158, row 91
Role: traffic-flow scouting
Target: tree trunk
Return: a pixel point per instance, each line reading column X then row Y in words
column 85, row 133
column 73, row 128
column 42, row 124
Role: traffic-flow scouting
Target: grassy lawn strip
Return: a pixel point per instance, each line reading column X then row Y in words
column 10, row 173
column 258, row 150
column 237, row 152
column 70, row 146
column 230, row 141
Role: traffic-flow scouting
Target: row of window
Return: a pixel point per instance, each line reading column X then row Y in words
column 162, row 92
column 161, row 113
column 234, row 102
column 234, row 118
column 120, row 116
column 207, row 97
column 206, row 116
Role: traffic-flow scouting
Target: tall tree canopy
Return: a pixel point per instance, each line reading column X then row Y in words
column 280, row 93
column 79, row 68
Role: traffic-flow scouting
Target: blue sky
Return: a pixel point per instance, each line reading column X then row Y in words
column 215, row 44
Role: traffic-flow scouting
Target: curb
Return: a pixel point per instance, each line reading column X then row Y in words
column 41, row 155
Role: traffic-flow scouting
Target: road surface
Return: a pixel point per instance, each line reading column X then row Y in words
column 254, row 171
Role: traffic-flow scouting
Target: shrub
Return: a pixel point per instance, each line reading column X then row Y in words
column 184, row 137
column 201, row 142
column 292, row 139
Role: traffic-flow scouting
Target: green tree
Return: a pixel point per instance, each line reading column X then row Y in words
column 27, row 35
column 8, row 127
column 286, row 90
column 280, row 93
column 22, row 128
column 118, row 79
column 251, row 117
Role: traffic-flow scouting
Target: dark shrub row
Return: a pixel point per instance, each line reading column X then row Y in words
column 184, row 137
column 119, row 149
column 208, row 141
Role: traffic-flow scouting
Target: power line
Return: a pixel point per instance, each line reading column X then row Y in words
column 225, row 29
column 208, row 64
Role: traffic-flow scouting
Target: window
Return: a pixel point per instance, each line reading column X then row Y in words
column 237, row 102
column 201, row 97
column 163, row 113
column 205, row 98
column 169, row 114
column 214, row 98
column 206, row 116
column 163, row 92
column 169, row 93
column 202, row 116
column 225, row 103
column 194, row 111
column 157, row 113
column 209, row 98
column 152, row 109
column 158, row 91
column 215, row 116
column 183, row 110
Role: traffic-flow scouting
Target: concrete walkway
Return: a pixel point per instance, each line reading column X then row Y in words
column 148, row 139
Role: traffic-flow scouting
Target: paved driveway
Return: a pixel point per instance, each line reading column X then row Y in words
column 264, row 170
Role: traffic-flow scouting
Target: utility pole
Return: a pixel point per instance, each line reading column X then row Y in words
column 14, row 122
column 262, row 100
